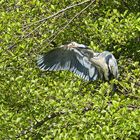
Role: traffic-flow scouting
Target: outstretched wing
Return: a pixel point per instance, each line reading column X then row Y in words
column 72, row 57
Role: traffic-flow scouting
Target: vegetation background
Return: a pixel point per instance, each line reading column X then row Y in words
column 60, row 105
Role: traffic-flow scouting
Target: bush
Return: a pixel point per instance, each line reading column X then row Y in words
column 59, row 105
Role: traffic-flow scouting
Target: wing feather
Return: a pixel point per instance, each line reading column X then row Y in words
column 74, row 59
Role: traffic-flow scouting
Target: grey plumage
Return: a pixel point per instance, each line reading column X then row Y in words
column 80, row 60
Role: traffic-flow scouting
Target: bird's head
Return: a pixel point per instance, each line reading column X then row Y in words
column 112, row 64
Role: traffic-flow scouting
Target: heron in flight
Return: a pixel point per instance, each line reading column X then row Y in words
column 80, row 60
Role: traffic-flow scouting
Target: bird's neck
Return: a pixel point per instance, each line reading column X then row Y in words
column 102, row 67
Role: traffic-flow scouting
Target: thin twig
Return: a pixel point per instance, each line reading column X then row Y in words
column 63, row 28
column 49, row 117
column 39, row 123
column 44, row 20
column 59, row 12
column 23, row 37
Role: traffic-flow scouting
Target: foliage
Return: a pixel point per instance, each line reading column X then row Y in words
column 59, row 105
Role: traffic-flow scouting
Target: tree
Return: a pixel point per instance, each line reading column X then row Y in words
column 59, row 105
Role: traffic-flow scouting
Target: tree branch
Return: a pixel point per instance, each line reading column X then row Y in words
column 44, row 20
column 49, row 117
column 63, row 28
column 39, row 123
column 59, row 12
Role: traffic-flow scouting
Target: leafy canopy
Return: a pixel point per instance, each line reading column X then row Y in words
column 59, row 105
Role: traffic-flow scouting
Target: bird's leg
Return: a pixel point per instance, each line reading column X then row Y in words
column 113, row 86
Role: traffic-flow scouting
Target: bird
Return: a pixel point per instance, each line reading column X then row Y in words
column 81, row 60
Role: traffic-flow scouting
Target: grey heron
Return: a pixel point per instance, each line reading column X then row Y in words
column 81, row 60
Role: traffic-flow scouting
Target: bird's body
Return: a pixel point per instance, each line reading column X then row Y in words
column 80, row 60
